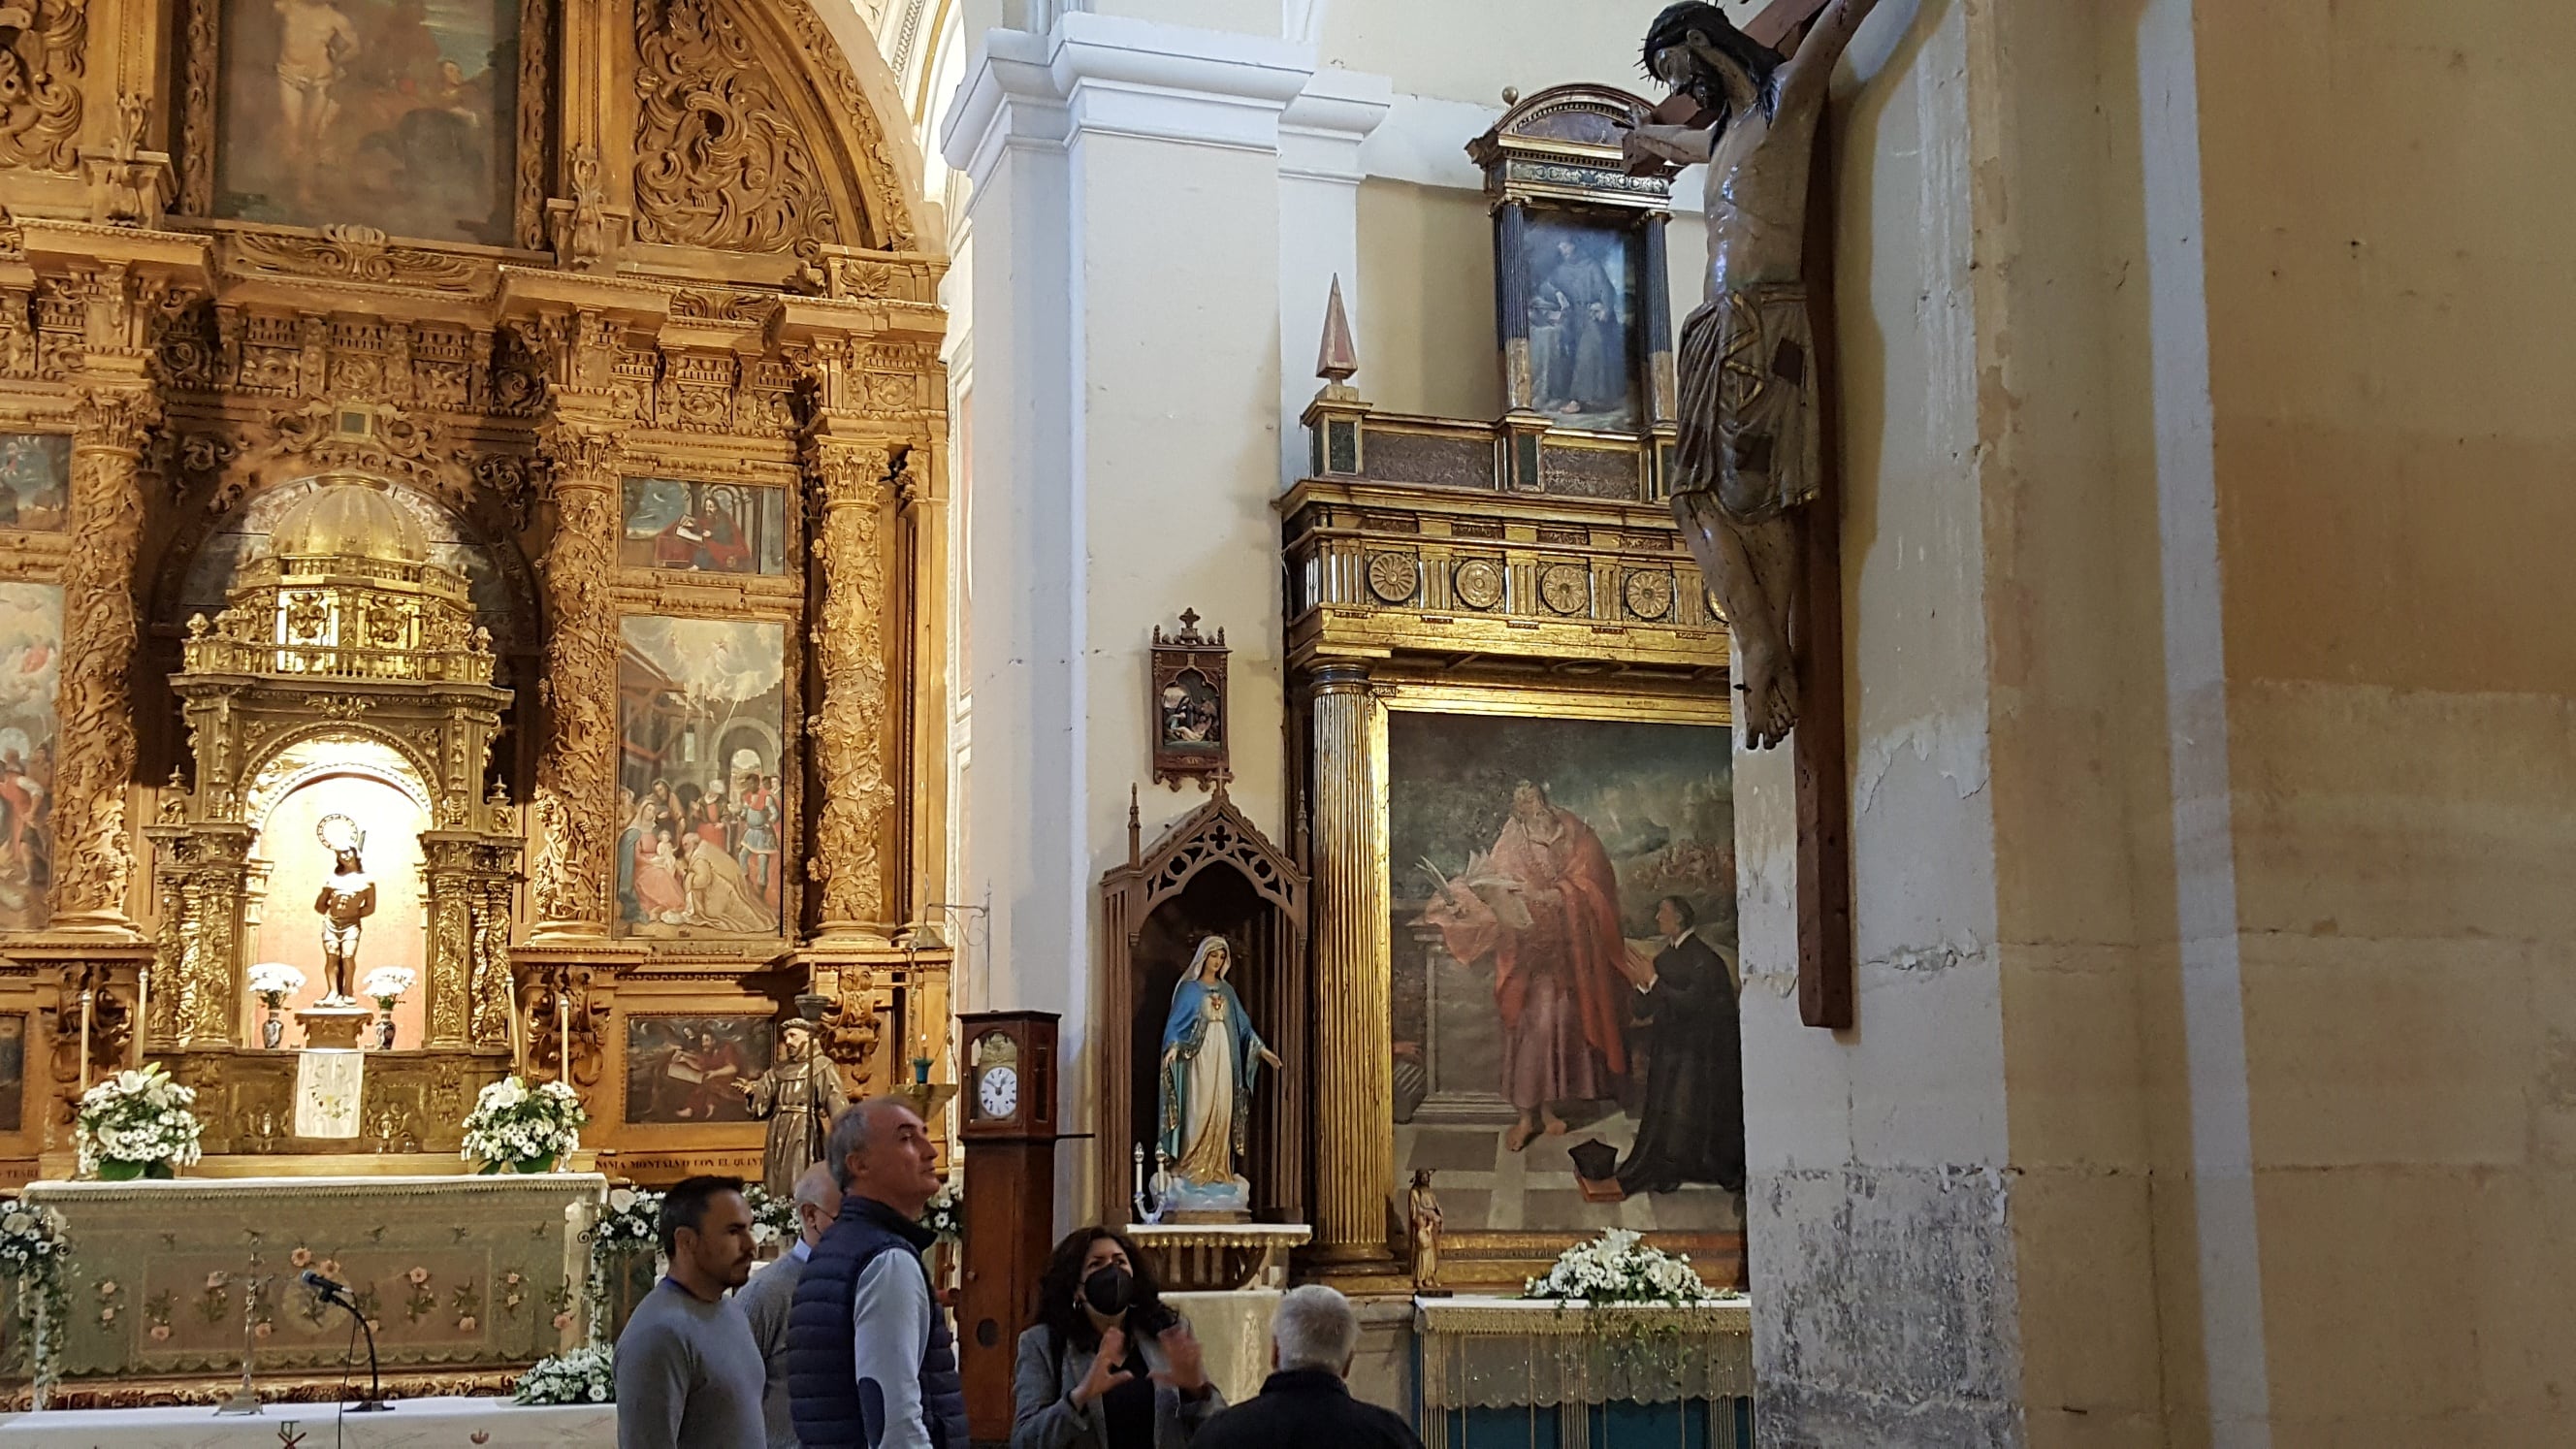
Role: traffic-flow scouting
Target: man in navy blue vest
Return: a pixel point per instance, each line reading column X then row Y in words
column 870, row 1364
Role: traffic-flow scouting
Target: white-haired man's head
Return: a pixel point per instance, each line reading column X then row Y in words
column 818, row 1202
column 1314, row 1328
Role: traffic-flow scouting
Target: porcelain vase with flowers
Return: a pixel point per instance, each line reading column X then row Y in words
column 386, row 984
column 272, row 982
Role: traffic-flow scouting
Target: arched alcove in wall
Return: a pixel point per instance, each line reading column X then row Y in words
column 376, row 788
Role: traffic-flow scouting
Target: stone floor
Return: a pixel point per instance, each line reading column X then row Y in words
column 1483, row 1184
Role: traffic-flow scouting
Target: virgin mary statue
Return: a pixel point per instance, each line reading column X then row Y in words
column 1211, row 1056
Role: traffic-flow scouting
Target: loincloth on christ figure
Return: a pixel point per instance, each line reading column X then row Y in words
column 1748, row 402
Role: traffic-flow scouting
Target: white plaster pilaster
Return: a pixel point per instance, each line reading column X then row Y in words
column 1320, row 138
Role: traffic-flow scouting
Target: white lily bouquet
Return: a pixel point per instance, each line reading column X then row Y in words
column 1618, row 1267
column 386, row 985
column 137, row 1123
column 523, row 1129
column 35, row 1253
column 274, row 981
column 580, row 1376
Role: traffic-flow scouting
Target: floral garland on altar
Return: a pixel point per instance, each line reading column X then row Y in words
column 586, row 1375
column 36, row 1253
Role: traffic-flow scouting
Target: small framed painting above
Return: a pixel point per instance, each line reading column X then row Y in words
column 717, row 528
column 1188, row 704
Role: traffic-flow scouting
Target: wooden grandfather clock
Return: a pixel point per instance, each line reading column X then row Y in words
column 1008, row 1133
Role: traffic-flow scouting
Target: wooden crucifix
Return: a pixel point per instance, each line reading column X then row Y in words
column 1755, row 490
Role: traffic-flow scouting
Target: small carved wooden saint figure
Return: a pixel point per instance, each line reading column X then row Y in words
column 346, row 900
column 1211, row 1057
column 1750, row 455
column 799, row 1096
column 1422, row 1214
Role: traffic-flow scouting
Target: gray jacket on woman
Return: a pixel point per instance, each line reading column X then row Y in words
column 1043, row 1415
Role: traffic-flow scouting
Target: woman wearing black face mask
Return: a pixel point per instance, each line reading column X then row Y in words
column 1106, row 1365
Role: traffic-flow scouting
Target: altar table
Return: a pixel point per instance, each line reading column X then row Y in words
column 1517, row 1373
column 463, row 1277
column 413, row 1424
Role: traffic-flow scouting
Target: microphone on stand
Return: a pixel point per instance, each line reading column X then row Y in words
column 330, row 1291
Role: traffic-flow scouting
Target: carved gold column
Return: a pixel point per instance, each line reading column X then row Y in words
column 446, row 995
column 577, row 768
column 1354, row 1126
column 849, row 730
column 95, row 861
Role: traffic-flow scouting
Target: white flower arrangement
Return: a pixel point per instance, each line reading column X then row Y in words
column 138, row 1119
column 1618, row 1267
column 274, row 981
column 524, row 1128
column 36, row 1253
column 386, row 984
column 773, row 1218
column 585, row 1375
column 631, row 1223
column 946, row 1214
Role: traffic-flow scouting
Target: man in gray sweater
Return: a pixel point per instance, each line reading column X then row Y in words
column 772, row 1291
column 688, row 1372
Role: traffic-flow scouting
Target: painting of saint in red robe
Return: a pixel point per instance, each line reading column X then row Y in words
column 1543, row 907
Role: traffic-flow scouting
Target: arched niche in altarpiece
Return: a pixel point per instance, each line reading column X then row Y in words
column 1214, row 872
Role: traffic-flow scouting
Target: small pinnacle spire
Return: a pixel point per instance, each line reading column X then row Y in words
column 1338, row 359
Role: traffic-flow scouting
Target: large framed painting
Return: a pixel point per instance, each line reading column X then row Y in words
column 397, row 114
column 686, row 1071
column 702, row 801
column 717, row 528
column 31, row 636
column 1582, row 307
column 1563, row 1012
column 13, row 1071
column 35, row 481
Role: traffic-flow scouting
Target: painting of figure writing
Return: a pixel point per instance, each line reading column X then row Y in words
column 1564, row 992
column 701, row 808
column 687, row 1070
column 717, row 528
column 396, row 114
column 31, row 632
column 1582, row 323
column 35, row 481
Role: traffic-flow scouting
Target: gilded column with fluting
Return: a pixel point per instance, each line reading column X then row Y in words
column 1354, row 1130
column 853, row 483
column 96, row 765
column 577, row 767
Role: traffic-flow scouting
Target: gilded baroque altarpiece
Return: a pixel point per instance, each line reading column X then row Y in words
column 351, row 331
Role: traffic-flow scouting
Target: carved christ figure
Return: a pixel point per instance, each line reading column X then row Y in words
column 1750, row 458
column 347, row 899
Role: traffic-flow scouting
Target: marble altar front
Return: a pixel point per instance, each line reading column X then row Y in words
column 462, row 1277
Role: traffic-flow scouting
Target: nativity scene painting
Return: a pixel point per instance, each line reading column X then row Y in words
column 701, row 806
column 1564, row 1005
column 398, row 114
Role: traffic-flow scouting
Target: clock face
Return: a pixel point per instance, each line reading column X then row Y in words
column 997, row 1092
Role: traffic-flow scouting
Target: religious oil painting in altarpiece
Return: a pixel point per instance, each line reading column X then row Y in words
column 721, row 528
column 35, row 481
column 31, row 632
column 13, row 1071
column 1583, row 322
column 685, row 1070
column 396, row 114
column 700, row 802
column 1530, row 859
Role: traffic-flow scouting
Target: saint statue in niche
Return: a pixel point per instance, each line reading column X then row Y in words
column 347, row 899
column 1750, row 456
column 798, row 1096
column 1211, row 1058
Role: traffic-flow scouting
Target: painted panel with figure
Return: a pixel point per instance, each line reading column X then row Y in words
column 1564, row 1011
column 701, row 802
column 396, row 114
column 35, row 481
column 722, row 528
column 1583, row 322
column 13, row 1072
column 687, row 1070
column 31, row 632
